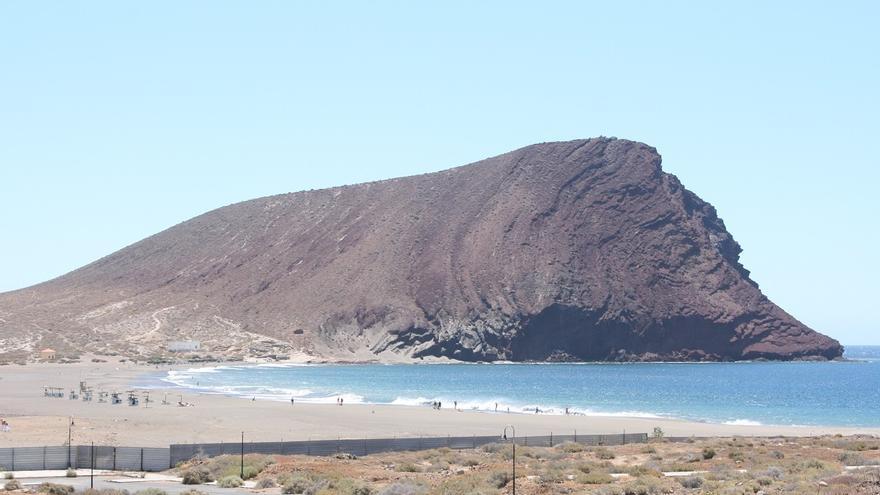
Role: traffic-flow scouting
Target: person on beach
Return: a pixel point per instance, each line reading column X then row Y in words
column 455, row 405
column 496, row 407
column 291, row 401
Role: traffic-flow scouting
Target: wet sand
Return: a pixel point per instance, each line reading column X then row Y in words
column 38, row 420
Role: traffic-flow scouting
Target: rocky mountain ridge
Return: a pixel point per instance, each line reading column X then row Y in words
column 581, row 250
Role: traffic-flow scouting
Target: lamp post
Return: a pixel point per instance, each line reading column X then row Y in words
column 242, row 456
column 69, row 436
column 513, row 444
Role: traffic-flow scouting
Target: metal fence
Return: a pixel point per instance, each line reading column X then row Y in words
column 85, row 456
column 366, row 446
column 160, row 459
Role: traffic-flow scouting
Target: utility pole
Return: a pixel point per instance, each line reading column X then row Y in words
column 513, row 444
column 241, row 474
column 92, row 475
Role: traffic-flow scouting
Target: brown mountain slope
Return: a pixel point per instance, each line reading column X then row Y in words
column 580, row 250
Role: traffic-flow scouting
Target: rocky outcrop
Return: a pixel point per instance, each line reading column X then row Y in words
column 581, row 250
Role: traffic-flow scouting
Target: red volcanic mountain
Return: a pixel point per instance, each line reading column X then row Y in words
column 580, row 250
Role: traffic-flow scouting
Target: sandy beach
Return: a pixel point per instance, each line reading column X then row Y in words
column 38, row 420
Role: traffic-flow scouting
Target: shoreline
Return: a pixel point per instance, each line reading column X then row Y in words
column 162, row 380
column 38, row 420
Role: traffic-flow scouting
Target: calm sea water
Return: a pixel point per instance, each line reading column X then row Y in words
column 799, row 393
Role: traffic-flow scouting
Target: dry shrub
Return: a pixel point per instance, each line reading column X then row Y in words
column 595, row 478
column 230, row 482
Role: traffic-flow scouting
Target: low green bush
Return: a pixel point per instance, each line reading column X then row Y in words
column 265, row 483
column 853, row 459
column 151, row 491
column 691, row 482
column 351, row 487
column 570, row 447
column 604, row 454
column 641, row 470
column 404, row 488
column 250, row 472
column 296, row 485
column 594, row 479
column 407, row 468
column 499, row 479
column 230, row 482
column 196, row 476
column 55, row 489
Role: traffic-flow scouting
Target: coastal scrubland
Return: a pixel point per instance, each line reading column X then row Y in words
column 827, row 465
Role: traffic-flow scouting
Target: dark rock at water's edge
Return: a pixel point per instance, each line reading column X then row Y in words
column 583, row 250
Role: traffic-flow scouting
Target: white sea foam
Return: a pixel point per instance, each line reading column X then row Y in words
column 406, row 401
column 742, row 422
column 285, row 365
column 504, row 406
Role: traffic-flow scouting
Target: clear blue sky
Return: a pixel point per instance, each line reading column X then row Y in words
column 120, row 119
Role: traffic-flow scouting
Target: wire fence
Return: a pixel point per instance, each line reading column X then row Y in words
column 160, row 459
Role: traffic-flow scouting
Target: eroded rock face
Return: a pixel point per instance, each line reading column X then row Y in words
column 581, row 250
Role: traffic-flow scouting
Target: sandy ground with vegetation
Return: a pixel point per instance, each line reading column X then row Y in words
column 825, row 465
column 38, row 420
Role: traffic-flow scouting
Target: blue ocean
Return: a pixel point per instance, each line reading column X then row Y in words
column 845, row 393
